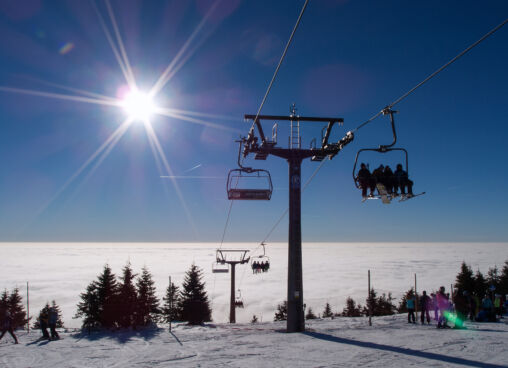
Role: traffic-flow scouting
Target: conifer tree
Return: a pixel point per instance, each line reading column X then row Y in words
column 328, row 311
column 351, row 309
column 282, row 312
column 480, row 285
column 107, row 291
column 193, row 304
column 127, row 298
column 465, row 279
column 493, row 278
column 310, row 314
column 254, row 319
column 147, row 310
column 171, row 300
column 89, row 308
column 17, row 309
column 4, row 302
column 503, row 279
column 59, row 320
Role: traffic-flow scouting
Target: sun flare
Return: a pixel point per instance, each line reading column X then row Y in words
column 138, row 106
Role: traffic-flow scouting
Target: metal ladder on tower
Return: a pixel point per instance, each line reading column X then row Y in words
column 294, row 138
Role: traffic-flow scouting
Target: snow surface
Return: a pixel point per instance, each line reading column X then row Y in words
column 331, row 271
column 342, row 342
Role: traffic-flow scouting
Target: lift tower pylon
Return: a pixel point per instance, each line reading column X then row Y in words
column 294, row 155
column 240, row 259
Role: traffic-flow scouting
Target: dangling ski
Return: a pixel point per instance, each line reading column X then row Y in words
column 405, row 197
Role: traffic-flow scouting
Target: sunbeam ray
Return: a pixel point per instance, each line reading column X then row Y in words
column 201, row 114
column 157, row 161
column 191, row 177
column 120, row 44
column 166, row 74
column 151, row 132
column 102, row 157
column 171, row 114
column 61, row 96
column 69, row 181
column 72, row 89
column 130, row 82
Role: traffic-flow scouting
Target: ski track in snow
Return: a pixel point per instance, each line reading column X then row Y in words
column 341, row 342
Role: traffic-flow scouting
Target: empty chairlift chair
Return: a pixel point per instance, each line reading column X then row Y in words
column 249, row 184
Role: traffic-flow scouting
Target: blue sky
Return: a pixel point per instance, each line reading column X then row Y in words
column 348, row 59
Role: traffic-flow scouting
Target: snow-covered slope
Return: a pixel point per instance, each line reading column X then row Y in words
column 342, row 342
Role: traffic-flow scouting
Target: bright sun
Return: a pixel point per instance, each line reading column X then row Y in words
column 138, row 105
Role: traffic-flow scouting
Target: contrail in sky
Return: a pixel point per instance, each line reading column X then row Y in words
column 193, row 168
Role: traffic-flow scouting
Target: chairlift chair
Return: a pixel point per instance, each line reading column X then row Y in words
column 218, row 267
column 260, row 259
column 239, row 188
column 239, row 299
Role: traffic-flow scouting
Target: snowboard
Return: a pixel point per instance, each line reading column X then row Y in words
column 385, row 197
column 405, row 197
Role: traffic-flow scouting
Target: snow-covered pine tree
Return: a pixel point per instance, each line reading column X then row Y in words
column 107, row 291
column 282, row 312
column 310, row 314
column 194, row 304
column 170, row 311
column 17, row 309
column 59, row 321
column 147, row 304
column 88, row 307
column 127, row 298
column 327, row 313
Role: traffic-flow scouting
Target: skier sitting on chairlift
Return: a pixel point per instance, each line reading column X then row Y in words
column 402, row 181
column 389, row 180
column 365, row 180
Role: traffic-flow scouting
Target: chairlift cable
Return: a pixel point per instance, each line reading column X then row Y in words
column 465, row 51
column 280, row 63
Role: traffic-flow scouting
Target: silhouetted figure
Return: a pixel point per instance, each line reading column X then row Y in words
column 53, row 319
column 378, row 175
column 425, row 303
column 43, row 322
column 6, row 326
column 365, row 180
column 402, row 181
column 389, row 180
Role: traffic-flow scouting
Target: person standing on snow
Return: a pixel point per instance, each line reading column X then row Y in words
column 43, row 323
column 6, row 326
column 53, row 319
column 424, row 308
column 410, row 304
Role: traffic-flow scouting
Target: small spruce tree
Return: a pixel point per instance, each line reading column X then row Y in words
column 170, row 311
column 89, row 307
column 310, row 314
column 282, row 312
column 147, row 311
column 328, row 311
column 480, row 285
column 107, row 291
column 193, row 304
column 254, row 319
column 465, row 279
column 127, row 298
column 503, row 279
column 351, row 309
column 17, row 309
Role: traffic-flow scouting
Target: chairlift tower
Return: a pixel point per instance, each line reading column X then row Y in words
column 241, row 259
column 294, row 155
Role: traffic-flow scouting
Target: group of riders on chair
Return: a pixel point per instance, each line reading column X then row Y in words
column 392, row 181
